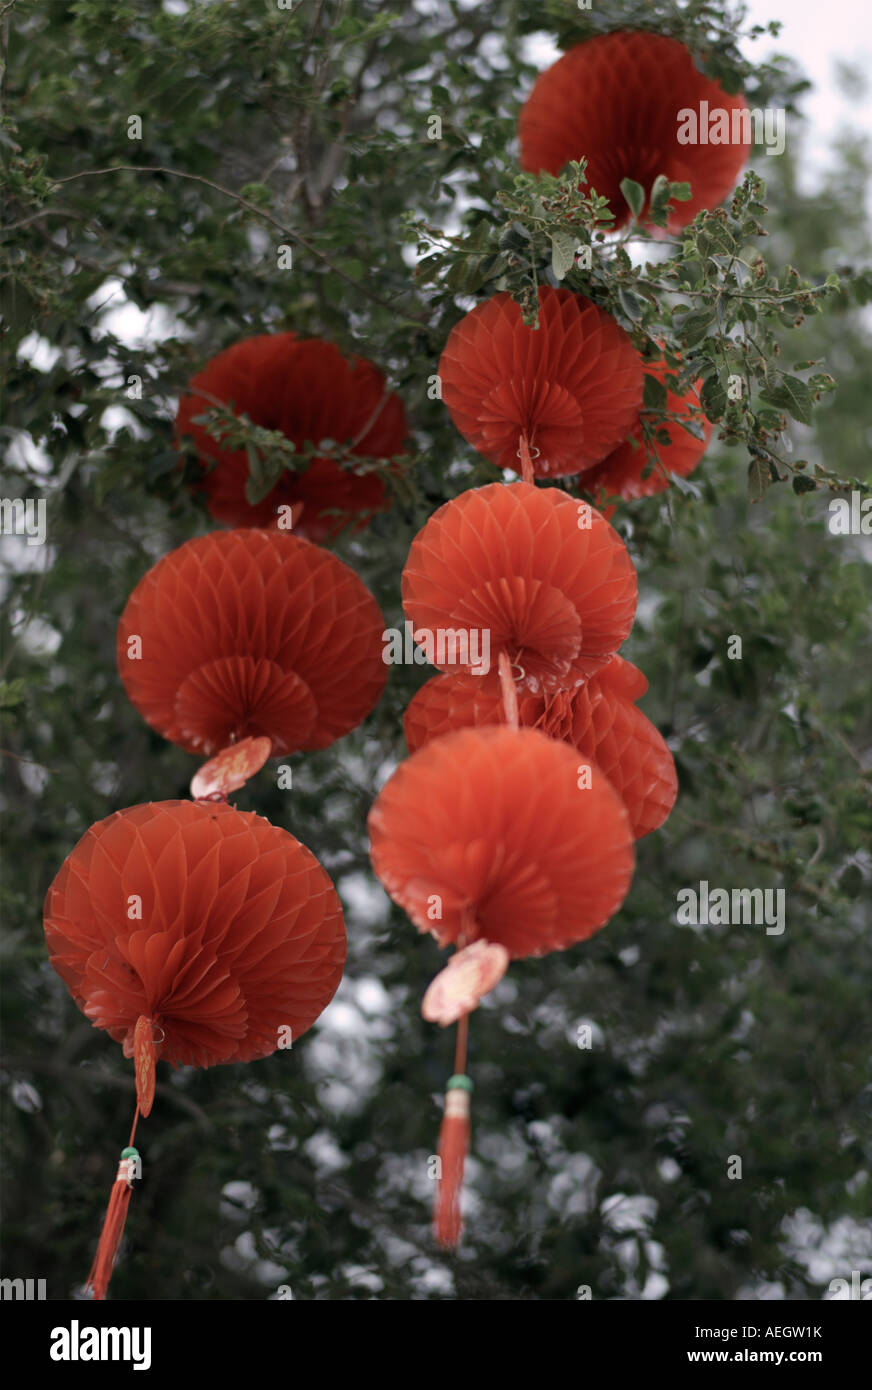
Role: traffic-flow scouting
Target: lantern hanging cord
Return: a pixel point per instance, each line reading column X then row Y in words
column 508, row 690
column 460, row 1046
column 526, row 455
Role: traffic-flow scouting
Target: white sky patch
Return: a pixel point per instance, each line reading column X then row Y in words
column 38, row 352
column 39, row 638
column 132, row 326
column 116, row 418
column 323, row 1150
column 819, row 41
column 625, row 1213
column 342, row 1056
column 24, row 452
column 366, row 901
column 828, row 1251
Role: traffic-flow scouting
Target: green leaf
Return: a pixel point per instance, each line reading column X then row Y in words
column 563, row 245
column 792, row 395
column 515, row 237
column 256, row 193
column 654, row 394
column 635, row 196
column 631, row 304
column 12, row 693
column 713, row 398
column 759, row 478
column 694, row 326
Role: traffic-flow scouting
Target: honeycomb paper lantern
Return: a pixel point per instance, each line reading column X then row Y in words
column 600, row 719
column 493, row 822
column 306, row 389
column 251, row 633
column 620, row 475
column 500, row 841
column 196, row 933
column 616, row 100
column 543, row 574
column 568, row 391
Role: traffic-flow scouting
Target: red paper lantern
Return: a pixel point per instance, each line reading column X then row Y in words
column 495, row 838
column 543, row 574
column 251, row 633
column 618, row 101
column 196, row 933
column 568, row 391
column 307, row 390
column 490, row 833
column 621, row 473
column 599, row 719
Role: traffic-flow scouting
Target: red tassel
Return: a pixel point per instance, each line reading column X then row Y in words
column 113, row 1224
column 453, row 1146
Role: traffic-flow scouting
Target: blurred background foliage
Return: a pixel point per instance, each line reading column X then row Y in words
column 607, row 1167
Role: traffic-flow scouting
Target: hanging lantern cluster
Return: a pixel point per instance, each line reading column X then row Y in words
column 510, row 830
column 191, row 931
column 198, row 934
column 621, row 100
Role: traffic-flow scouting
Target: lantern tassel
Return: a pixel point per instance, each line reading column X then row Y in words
column 454, row 1134
column 129, row 1167
column 113, row 1223
column 453, row 1148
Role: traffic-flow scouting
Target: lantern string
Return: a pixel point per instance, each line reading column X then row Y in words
column 460, row 1046
column 509, row 691
column 526, row 457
